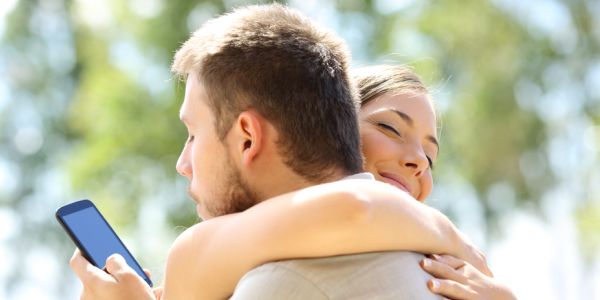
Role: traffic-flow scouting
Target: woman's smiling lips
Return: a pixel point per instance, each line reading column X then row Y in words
column 396, row 181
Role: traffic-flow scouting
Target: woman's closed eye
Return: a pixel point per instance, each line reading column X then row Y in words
column 396, row 132
column 393, row 130
column 389, row 128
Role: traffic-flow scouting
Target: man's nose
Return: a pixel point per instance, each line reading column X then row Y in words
column 184, row 167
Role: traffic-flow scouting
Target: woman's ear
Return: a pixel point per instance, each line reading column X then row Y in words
column 250, row 132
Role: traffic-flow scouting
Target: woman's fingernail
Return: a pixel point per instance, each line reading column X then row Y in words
column 434, row 284
column 426, row 262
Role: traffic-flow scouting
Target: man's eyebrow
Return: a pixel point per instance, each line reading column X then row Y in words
column 411, row 123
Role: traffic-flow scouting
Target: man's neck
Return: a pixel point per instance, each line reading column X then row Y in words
column 290, row 182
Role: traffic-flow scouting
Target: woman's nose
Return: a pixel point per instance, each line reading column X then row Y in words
column 414, row 158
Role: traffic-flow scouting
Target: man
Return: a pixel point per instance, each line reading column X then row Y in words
column 269, row 109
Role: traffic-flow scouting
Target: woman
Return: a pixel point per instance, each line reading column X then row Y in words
column 398, row 130
column 398, row 125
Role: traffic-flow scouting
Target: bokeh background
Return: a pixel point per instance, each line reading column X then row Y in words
column 88, row 109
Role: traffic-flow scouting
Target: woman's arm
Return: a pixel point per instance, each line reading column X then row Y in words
column 343, row 217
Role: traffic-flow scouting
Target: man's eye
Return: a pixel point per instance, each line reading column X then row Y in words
column 389, row 128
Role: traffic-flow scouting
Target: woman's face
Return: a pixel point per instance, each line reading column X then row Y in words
column 399, row 140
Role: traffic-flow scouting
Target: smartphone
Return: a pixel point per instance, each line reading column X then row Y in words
column 93, row 235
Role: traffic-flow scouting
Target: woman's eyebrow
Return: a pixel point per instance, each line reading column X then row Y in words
column 406, row 118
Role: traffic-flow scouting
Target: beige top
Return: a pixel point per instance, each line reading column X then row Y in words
column 379, row 275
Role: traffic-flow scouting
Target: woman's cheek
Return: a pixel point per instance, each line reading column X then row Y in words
column 426, row 183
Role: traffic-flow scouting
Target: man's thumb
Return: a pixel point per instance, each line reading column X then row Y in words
column 116, row 264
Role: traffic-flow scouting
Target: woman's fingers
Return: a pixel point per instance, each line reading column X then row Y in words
column 450, row 289
column 449, row 260
column 442, row 271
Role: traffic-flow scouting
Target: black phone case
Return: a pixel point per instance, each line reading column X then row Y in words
column 82, row 204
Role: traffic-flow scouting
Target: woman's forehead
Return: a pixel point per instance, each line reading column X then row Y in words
column 409, row 103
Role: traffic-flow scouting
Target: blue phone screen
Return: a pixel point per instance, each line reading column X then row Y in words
column 98, row 239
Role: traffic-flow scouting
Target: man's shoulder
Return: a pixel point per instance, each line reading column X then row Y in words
column 387, row 275
column 277, row 281
column 319, row 269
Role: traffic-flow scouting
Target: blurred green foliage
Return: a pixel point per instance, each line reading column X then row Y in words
column 588, row 219
column 479, row 49
column 514, row 93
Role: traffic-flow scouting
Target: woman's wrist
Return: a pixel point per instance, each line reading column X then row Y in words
column 464, row 249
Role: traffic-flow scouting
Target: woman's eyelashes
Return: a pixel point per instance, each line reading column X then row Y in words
column 396, row 132
column 189, row 139
column 389, row 128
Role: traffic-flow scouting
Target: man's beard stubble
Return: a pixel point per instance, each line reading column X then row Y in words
column 234, row 194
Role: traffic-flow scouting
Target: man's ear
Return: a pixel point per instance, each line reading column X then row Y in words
column 250, row 132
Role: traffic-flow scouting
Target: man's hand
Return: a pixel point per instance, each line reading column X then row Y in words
column 457, row 279
column 121, row 281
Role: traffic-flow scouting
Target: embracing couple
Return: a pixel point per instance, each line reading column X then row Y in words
column 292, row 208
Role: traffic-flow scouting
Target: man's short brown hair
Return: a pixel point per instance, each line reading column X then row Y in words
column 272, row 59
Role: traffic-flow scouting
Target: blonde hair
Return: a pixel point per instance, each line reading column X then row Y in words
column 375, row 81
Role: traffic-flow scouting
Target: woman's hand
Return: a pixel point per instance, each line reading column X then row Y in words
column 472, row 255
column 457, row 279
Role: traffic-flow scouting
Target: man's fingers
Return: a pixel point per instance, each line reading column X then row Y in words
column 450, row 260
column 442, row 271
column 158, row 292
column 147, row 272
column 450, row 289
column 117, row 266
column 87, row 273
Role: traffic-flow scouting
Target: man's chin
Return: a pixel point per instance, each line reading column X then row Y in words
column 200, row 209
column 201, row 212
